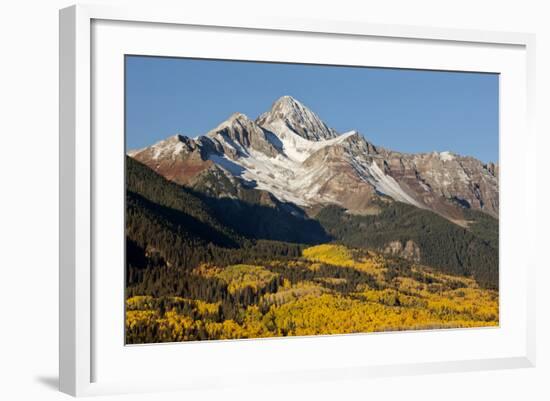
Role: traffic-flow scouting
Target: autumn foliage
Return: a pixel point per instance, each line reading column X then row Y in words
column 329, row 290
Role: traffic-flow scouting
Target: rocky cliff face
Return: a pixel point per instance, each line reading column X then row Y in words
column 455, row 180
column 409, row 251
column 290, row 153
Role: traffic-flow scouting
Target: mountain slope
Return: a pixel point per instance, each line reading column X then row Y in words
column 422, row 236
column 185, row 228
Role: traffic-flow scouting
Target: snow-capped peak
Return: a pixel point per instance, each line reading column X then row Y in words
column 288, row 104
column 298, row 118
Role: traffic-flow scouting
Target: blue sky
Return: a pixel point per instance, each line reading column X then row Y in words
column 404, row 110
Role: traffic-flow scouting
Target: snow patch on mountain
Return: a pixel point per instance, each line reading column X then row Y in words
column 284, row 175
column 298, row 149
column 388, row 186
column 227, row 164
column 446, row 156
column 294, row 146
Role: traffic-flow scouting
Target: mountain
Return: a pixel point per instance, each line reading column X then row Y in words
column 289, row 158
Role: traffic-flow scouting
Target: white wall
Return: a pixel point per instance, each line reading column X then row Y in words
column 28, row 200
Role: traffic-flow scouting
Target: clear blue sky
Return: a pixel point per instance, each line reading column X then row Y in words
column 404, row 110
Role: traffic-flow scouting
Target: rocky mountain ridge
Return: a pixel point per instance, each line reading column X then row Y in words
column 291, row 154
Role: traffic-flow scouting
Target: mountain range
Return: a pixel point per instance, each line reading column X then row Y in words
column 290, row 158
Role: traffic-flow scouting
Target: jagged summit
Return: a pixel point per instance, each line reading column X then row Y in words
column 288, row 103
column 239, row 116
column 238, row 134
column 290, row 113
column 235, row 119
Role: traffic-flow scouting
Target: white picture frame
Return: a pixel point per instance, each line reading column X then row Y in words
column 80, row 341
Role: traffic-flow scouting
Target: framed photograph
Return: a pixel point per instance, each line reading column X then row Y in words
column 278, row 200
